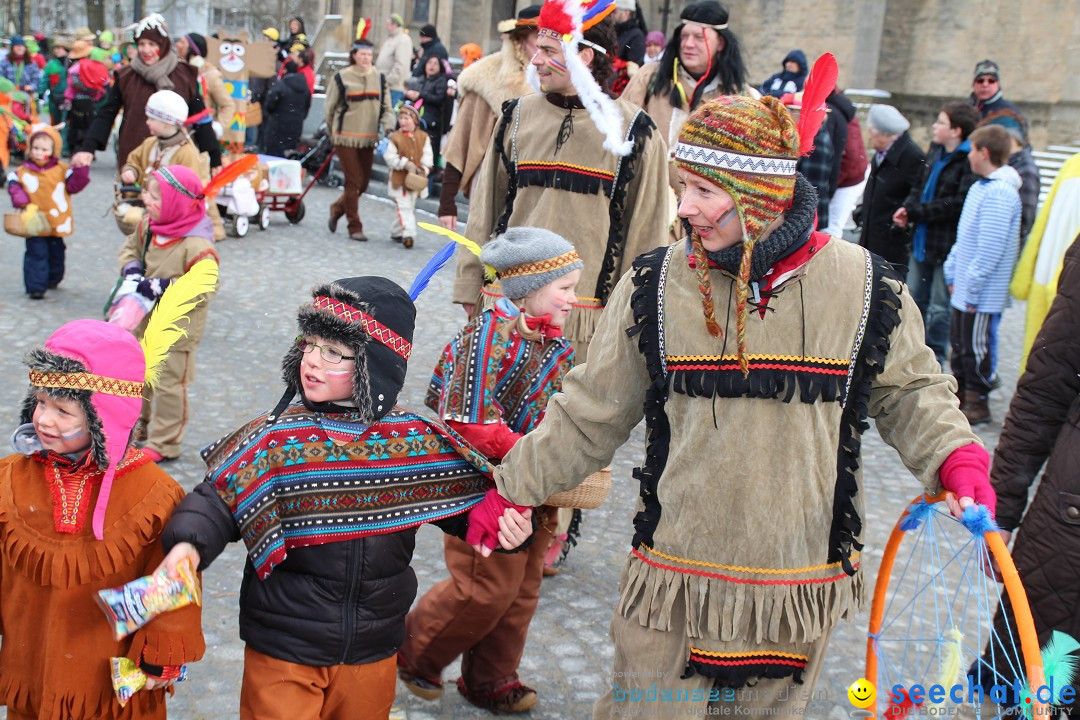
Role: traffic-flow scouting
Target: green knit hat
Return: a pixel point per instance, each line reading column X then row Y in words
column 749, row 148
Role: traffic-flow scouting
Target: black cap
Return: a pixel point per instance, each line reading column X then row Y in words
column 706, row 12
column 429, row 31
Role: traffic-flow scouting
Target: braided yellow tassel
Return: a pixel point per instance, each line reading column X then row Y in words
column 742, row 290
column 701, row 268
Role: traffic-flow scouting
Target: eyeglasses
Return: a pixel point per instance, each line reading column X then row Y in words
column 986, row 81
column 330, row 354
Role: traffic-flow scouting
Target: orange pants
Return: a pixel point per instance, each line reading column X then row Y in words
column 280, row 690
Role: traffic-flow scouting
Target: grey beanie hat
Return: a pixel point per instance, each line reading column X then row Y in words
column 887, row 119
column 528, row 258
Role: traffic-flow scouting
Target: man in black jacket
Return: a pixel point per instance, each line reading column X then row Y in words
column 430, row 45
column 631, row 36
column 933, row 210
column 895, row 168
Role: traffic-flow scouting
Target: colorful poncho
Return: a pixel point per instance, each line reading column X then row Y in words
column 306, row 478
column 489, row 373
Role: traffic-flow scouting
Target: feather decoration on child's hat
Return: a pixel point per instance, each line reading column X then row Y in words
column 474, row 248
column 433, row 266
column 229, row 173
column 180, row 298
column 363, row 27
column 819, row 84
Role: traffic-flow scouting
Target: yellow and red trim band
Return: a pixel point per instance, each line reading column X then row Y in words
column 87, row 381
column 542, row 266
column 384, row 335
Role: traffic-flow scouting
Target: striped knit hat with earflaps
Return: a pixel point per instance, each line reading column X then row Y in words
column 750, row 148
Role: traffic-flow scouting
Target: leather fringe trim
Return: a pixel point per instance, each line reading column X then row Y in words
column 508, row 112
column 80, row 563
column 881, row 318
column 807, row 384
column 643, row 302
column 726, row 611
column 585, row 181
column 60, row 704
column 641, row 129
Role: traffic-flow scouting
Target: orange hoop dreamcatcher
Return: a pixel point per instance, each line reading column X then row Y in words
column 938, row 618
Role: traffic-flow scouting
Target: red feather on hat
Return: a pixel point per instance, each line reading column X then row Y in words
column 556, row 15
column 229, row 173
column 819, row 84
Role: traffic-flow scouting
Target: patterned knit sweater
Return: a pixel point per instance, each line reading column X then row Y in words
column 751, row 502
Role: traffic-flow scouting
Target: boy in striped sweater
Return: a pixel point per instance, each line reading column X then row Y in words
column 979, row 268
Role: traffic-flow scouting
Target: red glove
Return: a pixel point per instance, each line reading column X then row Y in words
column 484, row 519
column 966, row 473
column 494, row 440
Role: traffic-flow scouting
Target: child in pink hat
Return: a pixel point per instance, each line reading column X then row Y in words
column 175, row 234
column 82, row 510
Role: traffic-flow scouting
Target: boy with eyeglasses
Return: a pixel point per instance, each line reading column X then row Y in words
column 327, row 493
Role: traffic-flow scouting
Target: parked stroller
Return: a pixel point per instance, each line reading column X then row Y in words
column 312, row 153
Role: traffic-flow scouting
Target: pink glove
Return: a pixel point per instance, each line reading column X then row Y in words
column 484, row 519
column 966, row 473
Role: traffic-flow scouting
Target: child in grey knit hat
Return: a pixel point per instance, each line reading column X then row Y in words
column 492, row 385
column 529, row 261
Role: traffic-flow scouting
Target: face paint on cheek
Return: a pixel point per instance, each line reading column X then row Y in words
column 73, row 434
column 723, row 219
column 557, row 66
column 337, row 373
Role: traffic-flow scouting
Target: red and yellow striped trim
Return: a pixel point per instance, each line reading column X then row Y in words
column 834, row 570
column 567, row 167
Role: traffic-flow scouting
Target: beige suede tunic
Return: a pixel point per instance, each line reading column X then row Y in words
column 570, row 191
column 742, row 540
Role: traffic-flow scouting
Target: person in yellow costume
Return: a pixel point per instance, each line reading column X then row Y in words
column 1036, row 275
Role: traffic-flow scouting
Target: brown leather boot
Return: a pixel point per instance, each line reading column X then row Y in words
column 975, row 408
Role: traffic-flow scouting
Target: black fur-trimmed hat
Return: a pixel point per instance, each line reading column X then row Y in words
column 375, row 317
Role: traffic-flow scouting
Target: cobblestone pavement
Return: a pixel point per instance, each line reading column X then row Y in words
column 264, row 277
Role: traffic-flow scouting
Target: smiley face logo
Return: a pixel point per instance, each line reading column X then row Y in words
column 861, row 693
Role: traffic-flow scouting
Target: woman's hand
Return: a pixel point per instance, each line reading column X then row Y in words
column 82, row 159
column 514, row 528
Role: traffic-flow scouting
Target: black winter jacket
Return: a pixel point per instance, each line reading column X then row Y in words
column 841, row 112
column 631, row 41
column 286, row 106
column 341, row 603
column 942, row 213
column 1043, row 426
column 888, row 185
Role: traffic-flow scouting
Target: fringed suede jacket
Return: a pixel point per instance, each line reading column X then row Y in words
column 751, row 504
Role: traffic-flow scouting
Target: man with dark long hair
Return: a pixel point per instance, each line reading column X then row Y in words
column 701, row 61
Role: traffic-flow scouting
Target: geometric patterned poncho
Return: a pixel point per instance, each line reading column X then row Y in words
column 489, row 374
column 308, row 478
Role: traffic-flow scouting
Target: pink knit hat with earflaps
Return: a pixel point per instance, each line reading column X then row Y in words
column 114, row 371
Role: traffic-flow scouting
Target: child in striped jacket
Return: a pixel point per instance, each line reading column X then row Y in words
column 979, row 268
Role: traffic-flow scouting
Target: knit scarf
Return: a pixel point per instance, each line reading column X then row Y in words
column 797, row 219
column 158, row 73
column 918, row 241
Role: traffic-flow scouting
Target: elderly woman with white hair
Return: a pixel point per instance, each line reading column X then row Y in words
column 894, row 169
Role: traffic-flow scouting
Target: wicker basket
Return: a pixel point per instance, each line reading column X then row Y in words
column 589, row 495
column 13, row 224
